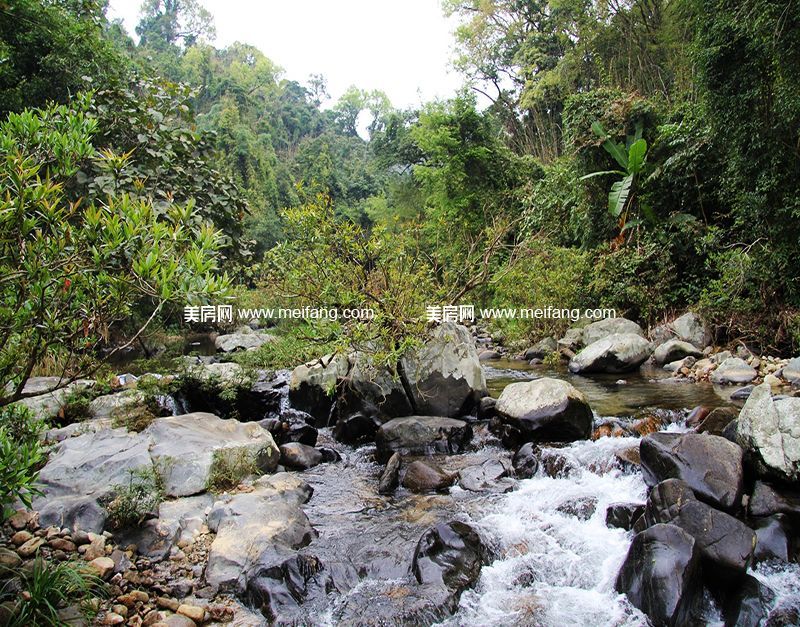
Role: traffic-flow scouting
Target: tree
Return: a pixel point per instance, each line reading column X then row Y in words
column 50, row 50
column 165, row 23
column 71, row 270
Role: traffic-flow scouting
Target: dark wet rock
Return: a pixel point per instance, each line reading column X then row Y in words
column 484, row 478
column 259, row 529
column 279, row 590
column 329, row 455
column 312, row 386
column 421, row 477
column 541, row 349
column 748, row 604
column 725, row 542
column 449, row 554
column 582, row 508
column 610, row 326
column 299, row 456
column 716, row 421
column 488, row 355
column 767, row 430
column 691, row 328
column 628, row 458
column 775, row 538
column 356, row 428
column 395, row 604
column 732, row 371
column 487, row 408
column 555, row 464
column 526, row 461
column 390, row 478
column 422, row 435
column 372, row 392
column 710, row 465
column 546, row 409
column 661, row 575
column 444, row 376
column 768, row 499
column 616, row 353
column 697, row 415
column 291, row 426
column 73, row 512
column 784, row 617
column 675, row 350
column 623, row 515
column 742, row 394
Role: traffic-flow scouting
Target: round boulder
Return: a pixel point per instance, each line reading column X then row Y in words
column 733, row 371
column 610, row 326
column 421, row 435
column 546, row 409
column 617, row 353
column 675, row 350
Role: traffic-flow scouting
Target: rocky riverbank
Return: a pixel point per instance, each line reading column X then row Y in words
column 341, row 493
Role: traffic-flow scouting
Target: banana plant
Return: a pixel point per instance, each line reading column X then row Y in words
column 631, row 159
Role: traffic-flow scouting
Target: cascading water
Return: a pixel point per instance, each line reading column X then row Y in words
column 553, row 567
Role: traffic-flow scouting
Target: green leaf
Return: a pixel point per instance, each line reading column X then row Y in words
column 636, row 155
column 618, row 196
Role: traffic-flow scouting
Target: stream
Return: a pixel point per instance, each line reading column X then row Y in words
column 553, row 559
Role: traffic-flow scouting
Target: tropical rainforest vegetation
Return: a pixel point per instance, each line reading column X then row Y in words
column 639, row 154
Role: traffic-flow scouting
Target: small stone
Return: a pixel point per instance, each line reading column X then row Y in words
column 113, row 619
column 30, row 548
column 120, row 609
column 165, row 603
column 152, row 617
column 141, row 596
column 62, row 544
column 9, row 559
column 20, row 520
column 80, row 537
column 197, row 614
column 104, row 566
column 221, row 613
column 21, row 537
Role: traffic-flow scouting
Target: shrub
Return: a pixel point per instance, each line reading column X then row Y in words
column 229, row 467
column 21, row 457
column 542, row 275
column 46, row 588
column 137, row 500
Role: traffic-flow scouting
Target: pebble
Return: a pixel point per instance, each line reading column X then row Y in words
column 104, row 566
column 21, row 537
column 113, row 619
column 30, row 547
column 197, row 614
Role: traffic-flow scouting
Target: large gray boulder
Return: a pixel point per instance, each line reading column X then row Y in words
column 422, row 435
column 733, row 371
column 690, row 328
column 615, row 353
column 769, row 431
column 45, row 404
column 312, row 385
column 609, row 326
column 257, row 530
column 185, row 449
column 242, row 341
column 541, row 349
column 444, row 377
column 709, row 464
column 675, row 350
column 545, row 409
column 661, row 575
column 90, row 464
column 725, row 542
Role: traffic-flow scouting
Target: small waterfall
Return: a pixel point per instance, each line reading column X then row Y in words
column 555, row 568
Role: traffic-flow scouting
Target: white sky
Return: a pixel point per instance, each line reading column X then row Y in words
column 402, row 48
